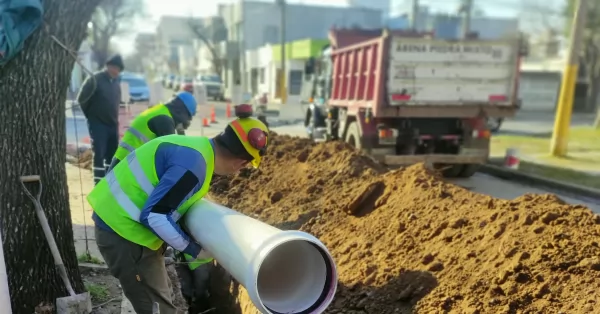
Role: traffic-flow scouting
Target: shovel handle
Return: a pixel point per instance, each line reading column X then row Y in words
column 30, row 178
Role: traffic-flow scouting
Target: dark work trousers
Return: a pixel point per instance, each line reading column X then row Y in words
column 194, row 285
column 140, row 270
column 105, row 140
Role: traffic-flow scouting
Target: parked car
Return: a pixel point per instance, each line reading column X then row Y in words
column 138, row 87
column 214, row 86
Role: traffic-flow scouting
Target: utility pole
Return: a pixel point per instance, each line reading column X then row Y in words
column 282, row 81
column 241, row 31
column 466, row 8
column 415, row 14
column 562, row 120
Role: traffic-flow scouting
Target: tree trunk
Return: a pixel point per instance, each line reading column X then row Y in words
column 32, row 141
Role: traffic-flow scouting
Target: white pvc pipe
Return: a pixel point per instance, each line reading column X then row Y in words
column 4, row 292
column 287, row 272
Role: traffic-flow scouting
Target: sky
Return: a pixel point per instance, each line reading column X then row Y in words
column 204, row 8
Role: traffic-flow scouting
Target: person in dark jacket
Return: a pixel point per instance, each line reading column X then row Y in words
column 160, row 120
column 99, row 98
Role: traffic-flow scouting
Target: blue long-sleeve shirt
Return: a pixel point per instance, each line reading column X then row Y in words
column 181, row 172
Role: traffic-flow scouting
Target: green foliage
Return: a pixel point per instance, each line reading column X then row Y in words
column 592, row 27
column 591, row 45
column 84, row 258
column 113, row 18
column 98, row 292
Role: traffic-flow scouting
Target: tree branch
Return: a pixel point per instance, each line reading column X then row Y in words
column 216, row 59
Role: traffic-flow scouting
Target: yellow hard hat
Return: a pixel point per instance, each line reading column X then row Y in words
column 253, row 134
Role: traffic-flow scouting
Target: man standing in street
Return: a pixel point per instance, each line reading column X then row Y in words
column 137, row 205
column 99, row 99
column 160, row 120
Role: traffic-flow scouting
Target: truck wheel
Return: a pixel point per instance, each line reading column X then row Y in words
column 452, row 171
column 468, row 170
column 353, row 136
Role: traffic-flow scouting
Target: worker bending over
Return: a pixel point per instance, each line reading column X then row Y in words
column 160, row 120
column 137, row 205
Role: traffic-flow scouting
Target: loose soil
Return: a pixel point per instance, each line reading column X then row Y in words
column 105, row 290
column 405, row 241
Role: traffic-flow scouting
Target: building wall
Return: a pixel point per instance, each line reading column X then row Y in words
column 450, row 26
column 266, row 65
column 397, row 22
column 383, row 6
column 254, row 24
column 493, row 28
column 302, row 21
column 538, row 90
column 187, row 60
column 78, row 74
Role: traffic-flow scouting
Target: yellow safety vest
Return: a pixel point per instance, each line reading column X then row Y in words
column 119, row 197
column 138, row 132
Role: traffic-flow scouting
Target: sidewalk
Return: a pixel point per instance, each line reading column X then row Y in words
column 581, row 166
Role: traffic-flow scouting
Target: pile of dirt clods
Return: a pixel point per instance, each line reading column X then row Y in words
column 407, row 242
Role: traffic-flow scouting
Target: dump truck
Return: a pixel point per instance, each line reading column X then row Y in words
column 407, row 97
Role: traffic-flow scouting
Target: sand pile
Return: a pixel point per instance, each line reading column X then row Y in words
column 407, row 242
column 83, row 159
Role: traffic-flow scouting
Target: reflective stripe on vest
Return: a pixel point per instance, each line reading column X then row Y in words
column 138, row 132
column 139, row 135
column 119, row 197
column 122, row 199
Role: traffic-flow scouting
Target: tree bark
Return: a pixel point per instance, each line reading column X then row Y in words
column 32, row 141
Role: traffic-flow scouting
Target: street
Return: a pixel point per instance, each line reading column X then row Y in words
column 526, row 122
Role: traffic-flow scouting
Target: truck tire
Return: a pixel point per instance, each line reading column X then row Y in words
column 468, row 170
column 353, row 136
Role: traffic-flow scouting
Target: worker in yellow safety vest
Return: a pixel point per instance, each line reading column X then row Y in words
column 160, row 120
column 137, row 205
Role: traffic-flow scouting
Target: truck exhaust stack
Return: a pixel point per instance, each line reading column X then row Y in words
column 288, row 272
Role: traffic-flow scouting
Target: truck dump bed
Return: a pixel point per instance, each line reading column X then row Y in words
column 395, row 70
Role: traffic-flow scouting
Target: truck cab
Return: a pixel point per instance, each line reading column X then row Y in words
column 406, row 98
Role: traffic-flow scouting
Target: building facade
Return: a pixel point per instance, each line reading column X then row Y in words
column 173, row 32
column 264, row 65
column 450, row 25
column 253, row 24
column 384, row 6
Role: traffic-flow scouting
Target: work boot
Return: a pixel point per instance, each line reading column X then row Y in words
column 199, row 305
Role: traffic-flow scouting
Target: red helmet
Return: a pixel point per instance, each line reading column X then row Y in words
column 188, row 87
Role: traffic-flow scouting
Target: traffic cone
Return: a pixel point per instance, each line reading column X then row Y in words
column 205, row 122
column 213, row 115
column 228, row 110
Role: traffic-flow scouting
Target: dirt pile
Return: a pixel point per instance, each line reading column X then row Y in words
column 83, row 159
column 407, row 242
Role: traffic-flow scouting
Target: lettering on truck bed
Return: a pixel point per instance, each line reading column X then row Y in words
column 438, row 72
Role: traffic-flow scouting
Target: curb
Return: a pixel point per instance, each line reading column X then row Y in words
column 532, row 179
column 93, row 266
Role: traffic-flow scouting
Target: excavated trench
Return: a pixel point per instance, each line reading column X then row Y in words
column 405, row 241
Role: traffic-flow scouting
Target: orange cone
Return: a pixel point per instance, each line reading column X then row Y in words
column 205, row 122
column 213, row 115
column 228, row 110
